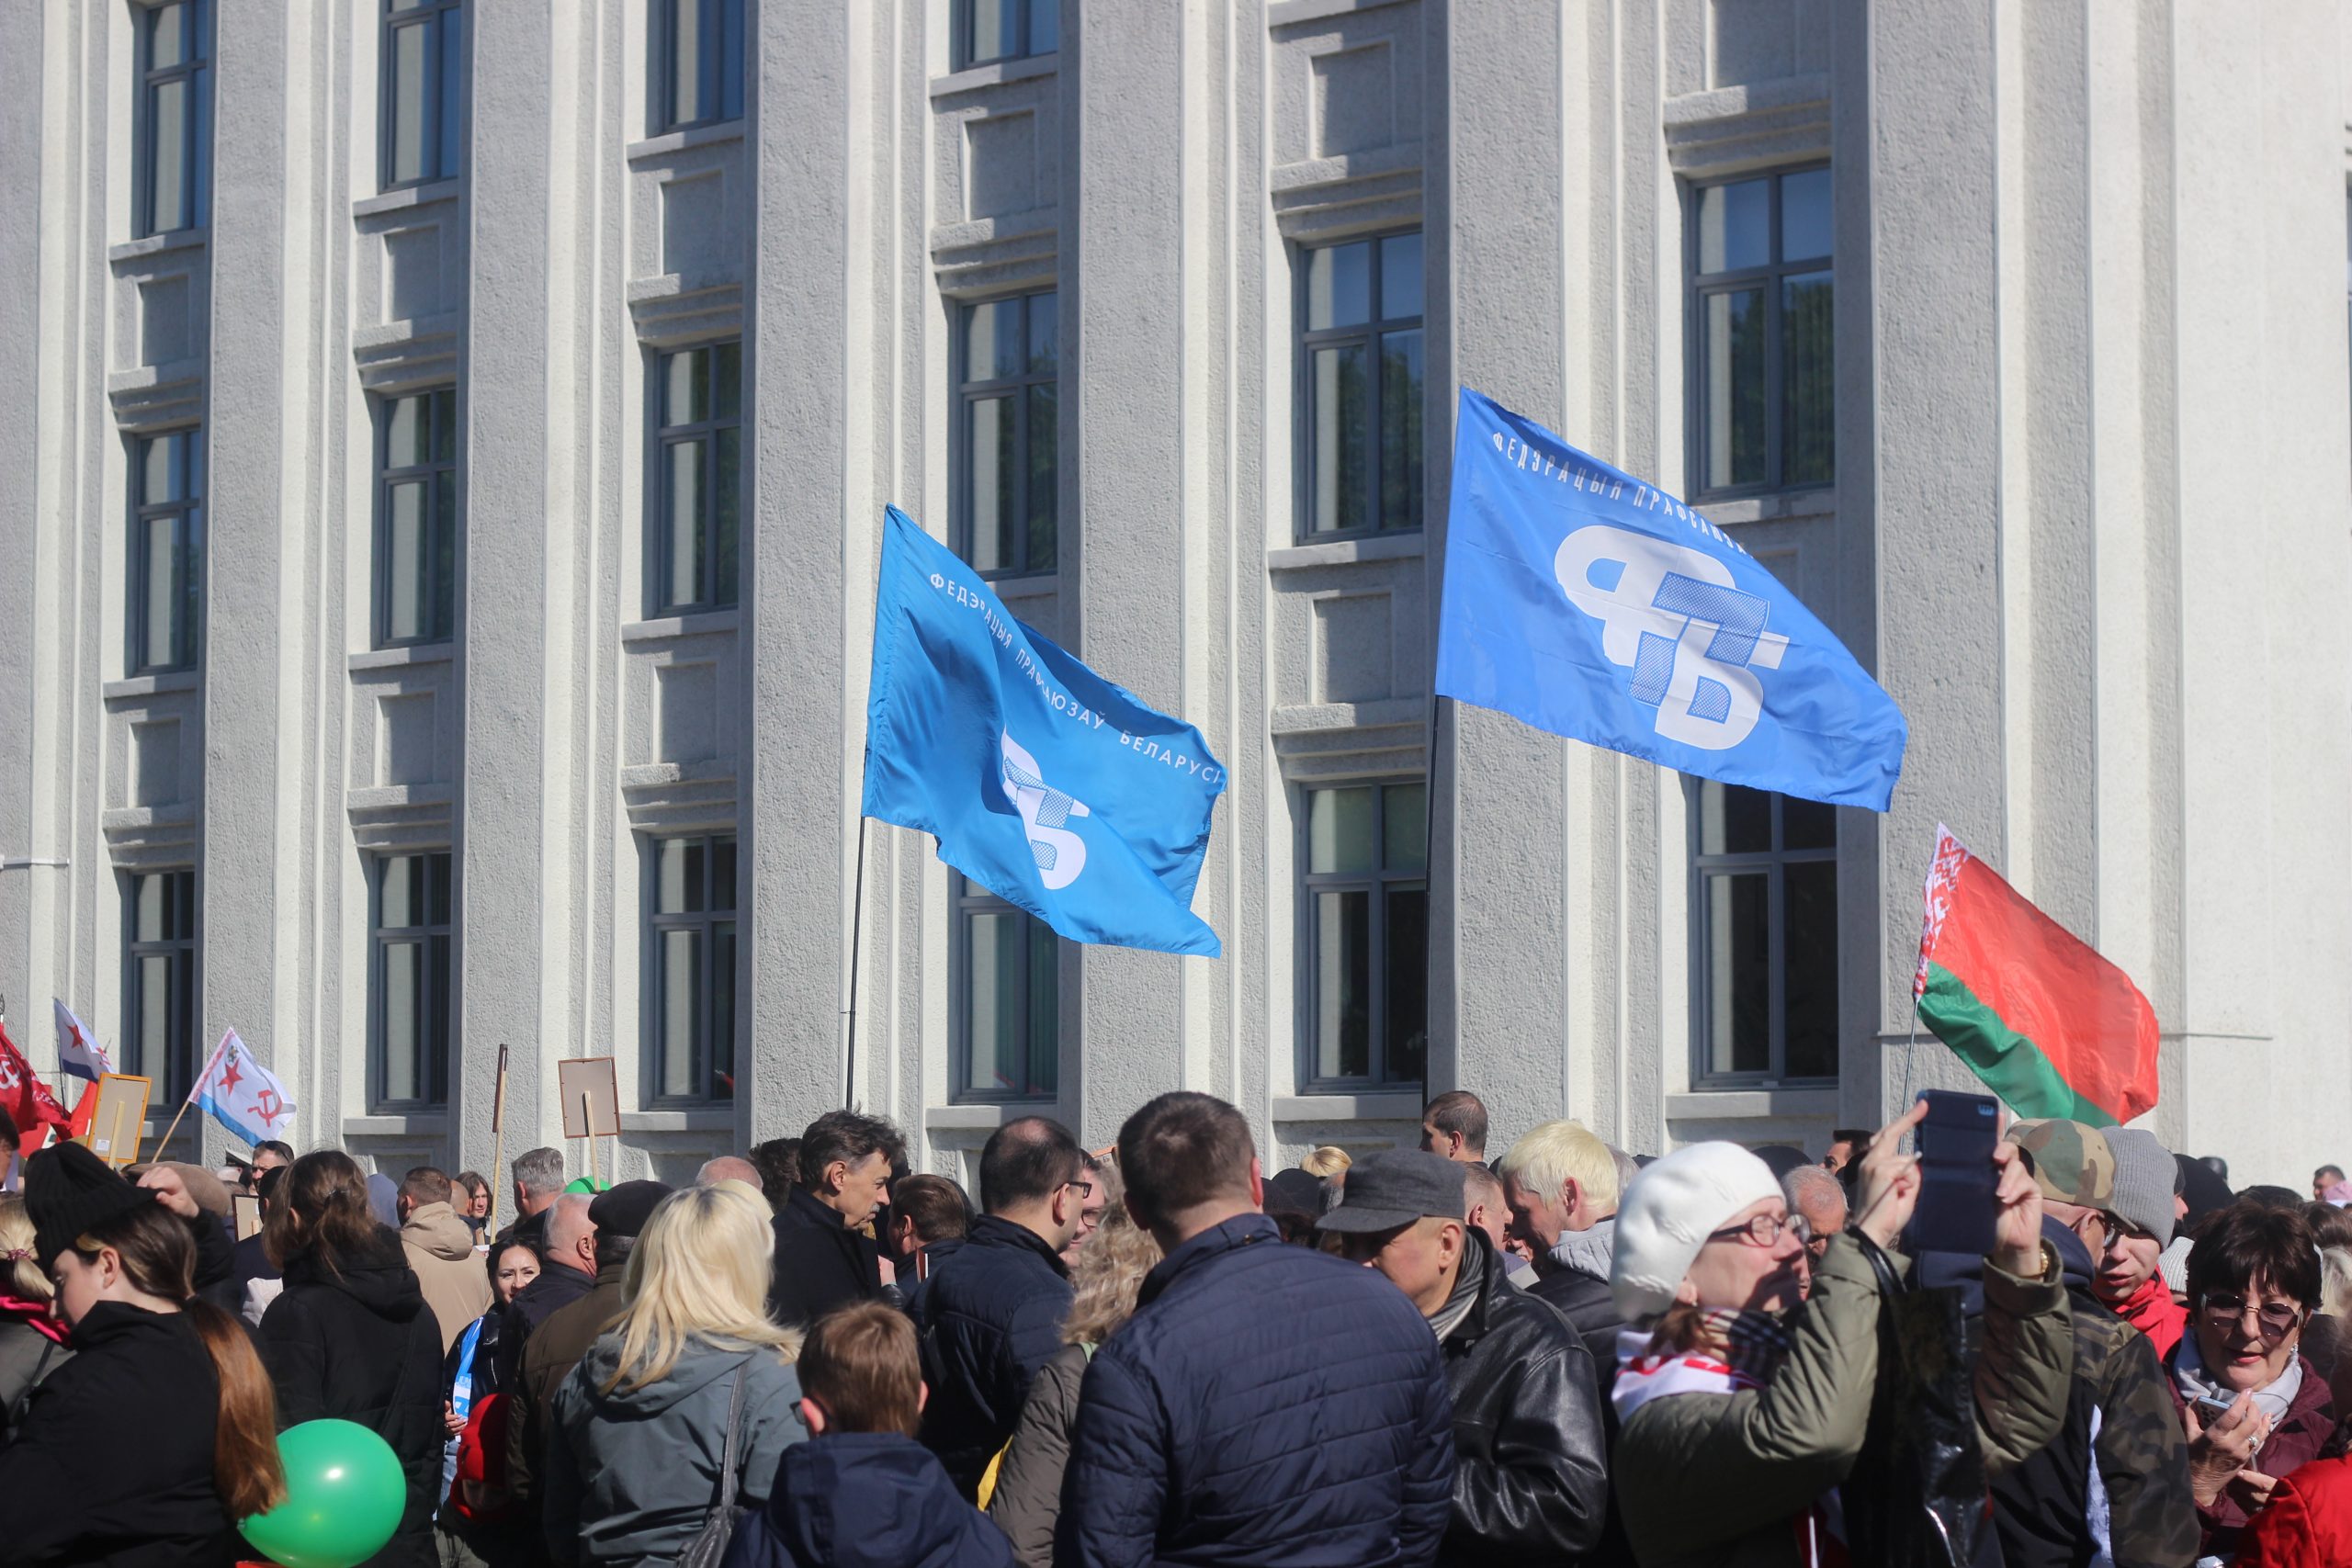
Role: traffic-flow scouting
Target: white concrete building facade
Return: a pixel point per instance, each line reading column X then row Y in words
column 443, row 450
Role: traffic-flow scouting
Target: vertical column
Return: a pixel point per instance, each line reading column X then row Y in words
column 2262, row 456
column 33, row 78
column 805, row 630
column 1499, row 859
column 258, row 539
column 510, row 844
column 1918, row 206
column 1122, row 314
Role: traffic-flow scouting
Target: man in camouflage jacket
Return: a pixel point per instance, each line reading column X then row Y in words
column 2114, row 1487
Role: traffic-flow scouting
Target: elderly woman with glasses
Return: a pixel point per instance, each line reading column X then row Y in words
column 1743, row 1401
column 2253, row 1411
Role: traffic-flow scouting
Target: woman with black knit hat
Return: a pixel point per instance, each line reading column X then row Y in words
column 160, row 1434
column 350, row 1336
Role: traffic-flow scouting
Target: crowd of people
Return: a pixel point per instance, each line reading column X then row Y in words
column 1156, row 1353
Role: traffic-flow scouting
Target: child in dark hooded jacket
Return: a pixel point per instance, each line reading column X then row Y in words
column 862, row 1492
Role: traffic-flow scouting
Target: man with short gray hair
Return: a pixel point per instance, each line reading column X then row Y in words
column 730, row 1168
column 1818, row 1198
column 539, row 1182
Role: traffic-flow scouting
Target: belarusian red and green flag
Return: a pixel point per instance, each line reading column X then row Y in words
column 2051, row 1027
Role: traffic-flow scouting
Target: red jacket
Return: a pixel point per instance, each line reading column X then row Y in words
column 2308, row 1523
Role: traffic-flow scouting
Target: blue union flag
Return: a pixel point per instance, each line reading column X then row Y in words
column 1592, row 604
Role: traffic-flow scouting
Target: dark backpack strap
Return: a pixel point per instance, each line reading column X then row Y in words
column 734, row 1432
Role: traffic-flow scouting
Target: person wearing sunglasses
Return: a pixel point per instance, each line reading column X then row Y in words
column 2253, row 1411
column 1741, row 1407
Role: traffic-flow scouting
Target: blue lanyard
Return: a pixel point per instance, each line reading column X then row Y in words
column 461, row 1388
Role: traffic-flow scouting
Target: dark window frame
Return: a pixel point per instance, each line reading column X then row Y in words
column 712, row 593
column 439, row 159
column 444, row 537
column 967, row 899
column 1380, row 882
column 1369, row 334
column 1772, row 862
column 189, row 554
column 433, row 1074
column 1027, row 14
column 1767, row 278
column 194, row 68
column 1016, row 391
column 715, row 18
column 710, row 1063
column 176, row 1077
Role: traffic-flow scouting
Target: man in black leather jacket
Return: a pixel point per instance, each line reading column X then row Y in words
column 1531, row 1479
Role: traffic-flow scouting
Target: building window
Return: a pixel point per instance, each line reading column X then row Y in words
column 1008, row 1000
column 1366, row 909
column 699, row 469
column 412, row 1011
column 166, row 551
column 701, row 62
column 1006, row 29
column 1764, row 910
column 159, row 981
column 1360, row 393
column 691, row 997
column 424, row 73
column 173, row 160
column 1010, row 352
column 416, row 511
column 1762, row 374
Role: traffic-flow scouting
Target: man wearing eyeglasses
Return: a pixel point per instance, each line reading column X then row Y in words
column 991, row 1314
column 2114, row 1487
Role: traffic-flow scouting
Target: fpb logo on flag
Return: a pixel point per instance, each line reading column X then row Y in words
column 1671, row 614
column 1044, row 783
column 1587, row 602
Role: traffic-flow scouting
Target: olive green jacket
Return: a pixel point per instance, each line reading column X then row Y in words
column 1718, row 1481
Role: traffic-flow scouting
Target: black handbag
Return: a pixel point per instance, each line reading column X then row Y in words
column 1917, row 1498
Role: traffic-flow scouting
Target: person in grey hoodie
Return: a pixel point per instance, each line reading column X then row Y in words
column 638, row 1433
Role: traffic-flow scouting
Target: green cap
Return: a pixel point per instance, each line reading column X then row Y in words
column 2072, row 1161
column 589, row 1184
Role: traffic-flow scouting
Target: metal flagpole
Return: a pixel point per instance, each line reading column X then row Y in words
column 857, row 928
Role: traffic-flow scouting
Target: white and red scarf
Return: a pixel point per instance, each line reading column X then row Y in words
column 1733, row 1351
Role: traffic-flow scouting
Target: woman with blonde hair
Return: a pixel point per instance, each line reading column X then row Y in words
column 692, row 1373
column 1327, row 1163
column 32, row 1342
column 1105, row 1283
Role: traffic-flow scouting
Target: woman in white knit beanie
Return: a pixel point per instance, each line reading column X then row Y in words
column 1742, row 1407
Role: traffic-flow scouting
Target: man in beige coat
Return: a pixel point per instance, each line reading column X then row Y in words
column 440, row 1247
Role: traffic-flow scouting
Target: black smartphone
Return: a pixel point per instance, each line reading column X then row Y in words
column 1958, row 1206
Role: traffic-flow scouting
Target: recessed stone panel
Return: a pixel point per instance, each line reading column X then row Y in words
column 686, row 712
column 1355, row 652
column 404, row 739
column 413, row 273
column 156, row 762
column 165, row 334
column 693, row 223
column 1355, row 100
column 1753, row 40
column 1000, row 164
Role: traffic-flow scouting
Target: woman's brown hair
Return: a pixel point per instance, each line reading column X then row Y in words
column 158, row 1259
column 2248, row 1244
column 322, row 1212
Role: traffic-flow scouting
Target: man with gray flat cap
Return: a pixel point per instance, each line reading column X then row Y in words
column 1530, row 1478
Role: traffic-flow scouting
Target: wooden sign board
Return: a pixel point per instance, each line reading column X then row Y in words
column 246, row 1207
column 589, row 1092
column 119, row 1120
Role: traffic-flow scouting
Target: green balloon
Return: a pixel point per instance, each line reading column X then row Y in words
column 344, row 1493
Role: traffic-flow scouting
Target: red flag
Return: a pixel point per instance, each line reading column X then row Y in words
column 26, row 1099
column 85, row 1110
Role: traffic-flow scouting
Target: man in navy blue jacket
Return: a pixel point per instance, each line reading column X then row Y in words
column 1268, row 1407
column 992, row 1314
